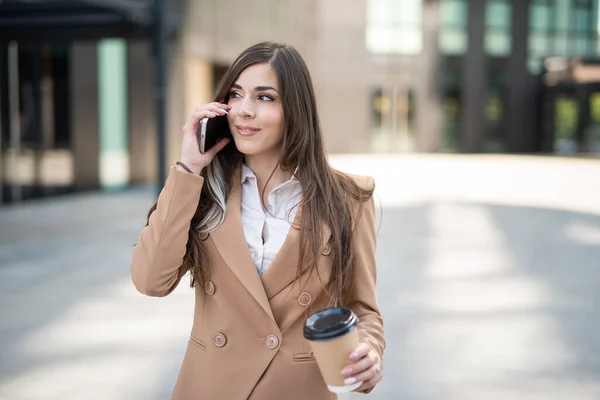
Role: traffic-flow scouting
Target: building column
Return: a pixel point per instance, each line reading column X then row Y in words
column 583, row 94
column 199, row 83
column 112, row 112
column 190, row 86
column 474, row 81
column 521, row 86
column 428, row 108
column 4, row 115
column 142, row 123
column 176, row 112
column 84, row 115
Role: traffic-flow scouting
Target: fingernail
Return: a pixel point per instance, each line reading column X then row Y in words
column 353, row 356
column 346, row 371
column 349, row 381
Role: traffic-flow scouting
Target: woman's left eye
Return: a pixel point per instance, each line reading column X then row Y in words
column 264, row 97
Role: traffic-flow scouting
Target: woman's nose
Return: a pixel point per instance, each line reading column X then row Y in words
column 246, row 109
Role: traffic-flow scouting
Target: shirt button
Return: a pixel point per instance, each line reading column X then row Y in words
column 219, row 339
column 272, row 342
column 326, row 250
column 209, row 288
column 304, row 299
column 278, row 191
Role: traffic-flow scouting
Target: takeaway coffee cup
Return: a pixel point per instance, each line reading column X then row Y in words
column 333, row 336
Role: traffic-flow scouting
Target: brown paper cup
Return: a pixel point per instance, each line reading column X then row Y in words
column 333, row 336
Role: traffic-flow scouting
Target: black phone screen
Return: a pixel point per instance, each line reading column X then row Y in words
column 216, row 129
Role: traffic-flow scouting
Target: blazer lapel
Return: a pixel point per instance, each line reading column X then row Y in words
column 231, row 243
column 283, row 269
column 280, row 279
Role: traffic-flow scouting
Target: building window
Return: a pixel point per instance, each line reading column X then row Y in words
column 584, row 31
column 498, row 23
column 453, row 27
column 541, row 16
column 392, row 120
column 566, row 111
column 494, row 110
column 451, row 108
column 566, row 28
column 395, row 26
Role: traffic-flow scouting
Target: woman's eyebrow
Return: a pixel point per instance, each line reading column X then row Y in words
column 258, row 88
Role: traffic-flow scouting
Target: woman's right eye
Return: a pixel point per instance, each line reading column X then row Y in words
column 235, row 95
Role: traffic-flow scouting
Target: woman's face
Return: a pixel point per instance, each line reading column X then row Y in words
column 256, row 116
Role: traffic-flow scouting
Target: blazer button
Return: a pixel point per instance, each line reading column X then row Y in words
column 304, row 299
column 209, row 288
column 326, row 250
column 272, row 342
column 219, row 339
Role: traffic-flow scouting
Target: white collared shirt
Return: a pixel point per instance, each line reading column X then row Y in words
column 266, row 231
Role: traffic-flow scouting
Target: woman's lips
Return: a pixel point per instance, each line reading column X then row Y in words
column 244, row 130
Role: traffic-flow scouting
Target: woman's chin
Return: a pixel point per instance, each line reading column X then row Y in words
column 247, row 149
column 255, row 148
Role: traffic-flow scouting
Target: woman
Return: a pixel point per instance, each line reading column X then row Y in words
column 270, row 233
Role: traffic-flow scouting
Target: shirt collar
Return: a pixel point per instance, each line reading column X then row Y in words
column 248, row 174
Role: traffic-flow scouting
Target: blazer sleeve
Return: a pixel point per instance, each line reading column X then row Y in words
column 363, row 299
column 156, row 267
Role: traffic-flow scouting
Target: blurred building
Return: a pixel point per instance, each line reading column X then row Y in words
column 78, row 79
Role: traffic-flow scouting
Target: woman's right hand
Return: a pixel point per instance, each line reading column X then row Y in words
column 190, row 152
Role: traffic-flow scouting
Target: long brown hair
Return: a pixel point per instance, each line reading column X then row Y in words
column 328, row 196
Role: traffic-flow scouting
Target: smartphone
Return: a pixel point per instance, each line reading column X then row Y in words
column 212, row 130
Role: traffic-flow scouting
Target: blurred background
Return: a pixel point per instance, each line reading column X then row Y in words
column 83, row 82
column 479, row 119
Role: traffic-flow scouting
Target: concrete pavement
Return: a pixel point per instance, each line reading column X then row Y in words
column 489, row 277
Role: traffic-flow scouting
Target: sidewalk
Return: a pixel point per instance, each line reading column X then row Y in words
column 489, row 277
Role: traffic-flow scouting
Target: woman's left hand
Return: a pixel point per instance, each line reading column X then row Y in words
column 366, row 368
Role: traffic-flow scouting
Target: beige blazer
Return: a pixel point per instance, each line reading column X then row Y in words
column 246, row 341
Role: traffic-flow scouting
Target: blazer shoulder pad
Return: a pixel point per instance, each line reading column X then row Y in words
column 364, row 182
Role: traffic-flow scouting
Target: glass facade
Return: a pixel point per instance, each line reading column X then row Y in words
column 392, row 120
column 451, row 104
column 35, row 130
column 453, row 27
column 495, row 109
column 556, row 28
column 563, row 28
column 498, row 23
column 395, row 26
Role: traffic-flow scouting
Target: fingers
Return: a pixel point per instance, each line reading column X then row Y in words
column 368, row 384
column 210, row 110
column 366, row 369
column 371, row 373
column 361, row 365
column 361, row 351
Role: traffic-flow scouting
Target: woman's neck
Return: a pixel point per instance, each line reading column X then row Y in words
column 263, row 167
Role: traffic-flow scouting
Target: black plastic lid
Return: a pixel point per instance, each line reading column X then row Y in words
column 330, row 323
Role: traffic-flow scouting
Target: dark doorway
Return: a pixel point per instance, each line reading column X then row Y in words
column 35, row 120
